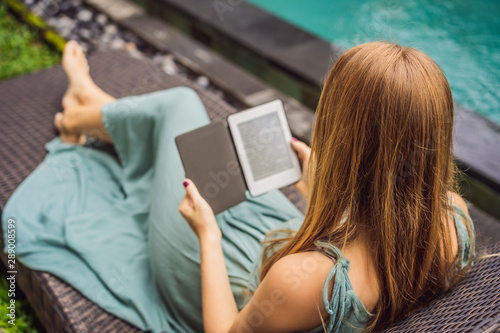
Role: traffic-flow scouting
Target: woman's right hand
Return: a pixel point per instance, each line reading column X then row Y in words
column 303, row 152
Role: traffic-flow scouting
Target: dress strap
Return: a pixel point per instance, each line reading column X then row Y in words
column 335, row 306
column 466, row 245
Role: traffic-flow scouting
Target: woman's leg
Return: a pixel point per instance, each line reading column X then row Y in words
column 82, row 102
column 143, row 129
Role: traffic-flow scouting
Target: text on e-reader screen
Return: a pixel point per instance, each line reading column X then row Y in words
column 265, row 146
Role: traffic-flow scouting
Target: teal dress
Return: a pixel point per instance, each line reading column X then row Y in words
column 111, row 228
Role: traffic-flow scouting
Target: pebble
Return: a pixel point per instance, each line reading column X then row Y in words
column 84, row 15
column 168, row 64
column 52, row 21
column 66, row 7
column 96, row 30
column 117, row 44
column 51, row 9
column 64, row 25
column 39, row 9
column 45, row 8
column 101, row 19
column 105, row 39
column 85, row 33
column 203, row 81
column 110, row 29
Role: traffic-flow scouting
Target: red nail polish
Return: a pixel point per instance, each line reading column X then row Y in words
column 185, row 184
column 295, row 139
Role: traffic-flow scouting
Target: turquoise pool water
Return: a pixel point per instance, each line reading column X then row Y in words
column 462, row 36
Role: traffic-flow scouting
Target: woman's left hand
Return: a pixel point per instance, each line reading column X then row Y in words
column 198, row 213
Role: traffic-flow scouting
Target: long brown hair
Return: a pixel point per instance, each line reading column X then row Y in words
column 382, row 155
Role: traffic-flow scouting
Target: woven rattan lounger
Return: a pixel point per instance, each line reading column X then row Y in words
column 26, row 125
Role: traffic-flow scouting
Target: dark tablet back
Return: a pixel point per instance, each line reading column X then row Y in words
column 210, row 161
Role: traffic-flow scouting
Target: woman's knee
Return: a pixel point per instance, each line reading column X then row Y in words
column 185, row 93
column 179, row 101
column 179, row 97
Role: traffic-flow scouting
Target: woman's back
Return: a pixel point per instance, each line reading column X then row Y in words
column 342, row 288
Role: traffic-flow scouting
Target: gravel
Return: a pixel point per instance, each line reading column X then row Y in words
column 93, row 30
column 84, row 15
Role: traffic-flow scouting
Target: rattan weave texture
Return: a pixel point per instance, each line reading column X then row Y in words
column 27, row 108
column 472, row 306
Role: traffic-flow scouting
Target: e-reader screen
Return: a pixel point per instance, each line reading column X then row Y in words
column 265, row 145
column 262, row 137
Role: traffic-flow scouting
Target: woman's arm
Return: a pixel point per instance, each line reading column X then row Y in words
column 287, row 300
column 218, row 304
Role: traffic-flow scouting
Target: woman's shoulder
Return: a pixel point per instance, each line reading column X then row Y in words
column 303, row 274
column 295, row 283
column 460, row 220
column 458, row 202
column 307, row 281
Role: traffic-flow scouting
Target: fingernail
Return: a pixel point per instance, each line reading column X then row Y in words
column 185, row 184
column 294, row 139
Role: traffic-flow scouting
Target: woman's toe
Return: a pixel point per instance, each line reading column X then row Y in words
column 58, row 120
column 82, row 139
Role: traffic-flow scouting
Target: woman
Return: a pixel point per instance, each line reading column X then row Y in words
column 383, row 233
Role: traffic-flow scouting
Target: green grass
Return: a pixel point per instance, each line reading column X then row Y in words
column 25, row 320
column 21, row 49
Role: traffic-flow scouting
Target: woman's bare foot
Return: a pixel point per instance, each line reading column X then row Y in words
column 81, row 90
column 82, row 95
column 65, row 135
